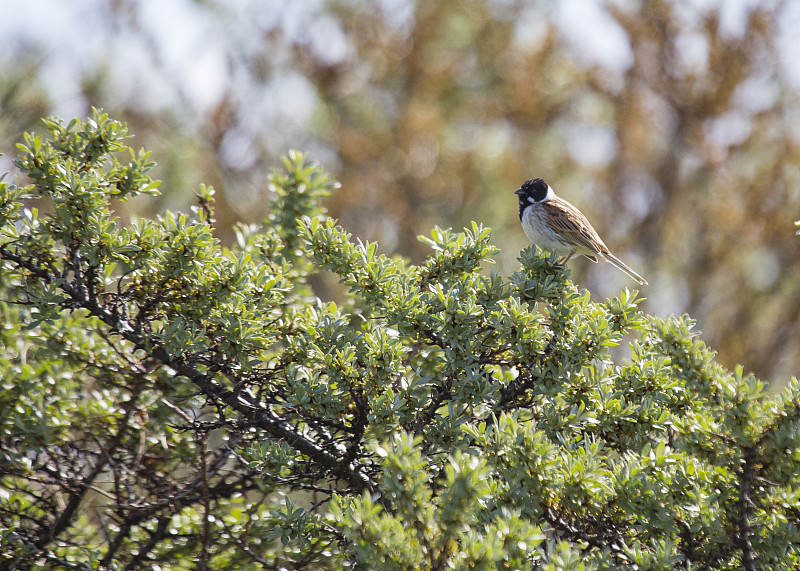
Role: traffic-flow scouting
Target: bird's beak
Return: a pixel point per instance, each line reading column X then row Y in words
column 519, row 191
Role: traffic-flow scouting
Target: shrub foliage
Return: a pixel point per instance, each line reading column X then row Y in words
column 169, row 401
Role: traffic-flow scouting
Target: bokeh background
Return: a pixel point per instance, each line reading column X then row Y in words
column 673, row 124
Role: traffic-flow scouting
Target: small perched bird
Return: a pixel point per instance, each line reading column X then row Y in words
column 554, row 224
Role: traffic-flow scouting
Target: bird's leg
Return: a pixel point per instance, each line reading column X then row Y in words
column 563, row 262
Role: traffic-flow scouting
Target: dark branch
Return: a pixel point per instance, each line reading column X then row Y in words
column 745, row 507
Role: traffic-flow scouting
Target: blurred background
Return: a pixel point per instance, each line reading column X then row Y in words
column 674, row 125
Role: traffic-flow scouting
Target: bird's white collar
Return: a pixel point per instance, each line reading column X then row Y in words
column 549, row 196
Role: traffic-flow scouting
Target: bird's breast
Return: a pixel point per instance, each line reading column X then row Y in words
column 538, row 231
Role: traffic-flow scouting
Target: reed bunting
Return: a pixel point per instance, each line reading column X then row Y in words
column 554, row 224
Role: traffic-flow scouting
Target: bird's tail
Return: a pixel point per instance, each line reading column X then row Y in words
column 612, row 259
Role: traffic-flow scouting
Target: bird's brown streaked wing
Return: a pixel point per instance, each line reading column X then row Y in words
column 573, row 225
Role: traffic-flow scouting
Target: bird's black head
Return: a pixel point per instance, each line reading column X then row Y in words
column 533, row 190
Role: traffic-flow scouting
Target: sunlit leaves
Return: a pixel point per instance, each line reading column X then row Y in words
column 437, row 415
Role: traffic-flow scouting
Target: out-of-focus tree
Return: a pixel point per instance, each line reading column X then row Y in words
column 671, row 129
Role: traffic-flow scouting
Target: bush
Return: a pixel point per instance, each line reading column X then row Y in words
column 169, row 401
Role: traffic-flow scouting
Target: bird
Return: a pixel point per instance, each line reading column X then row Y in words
column 555, row 225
